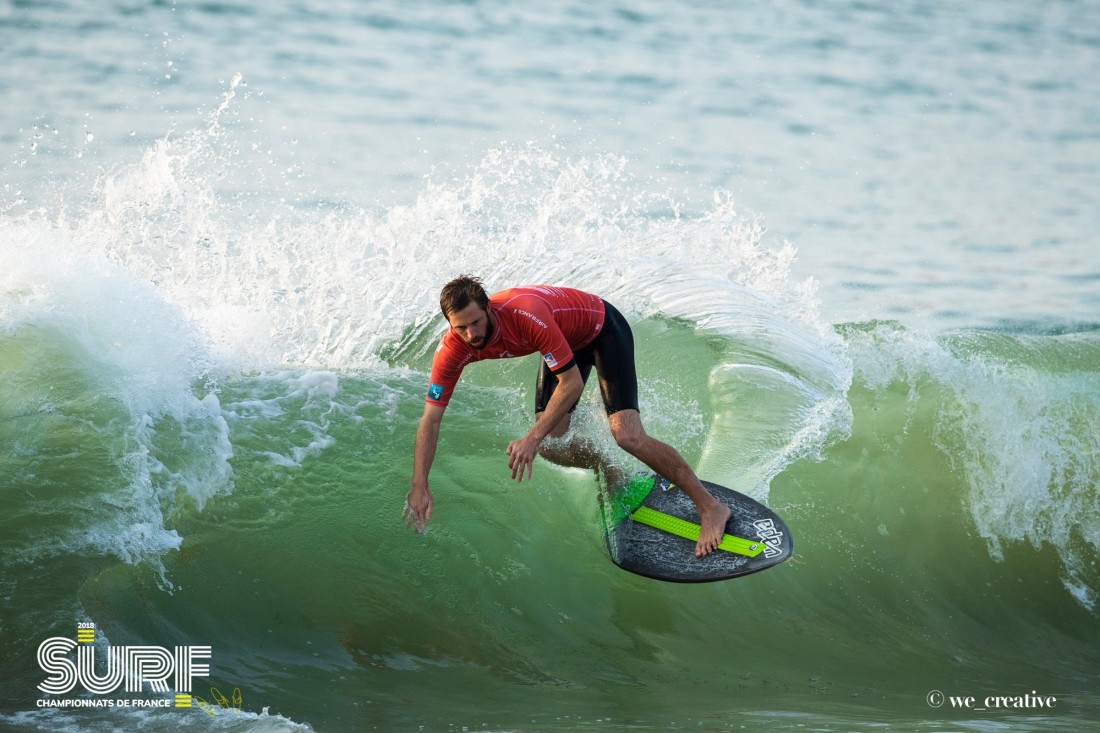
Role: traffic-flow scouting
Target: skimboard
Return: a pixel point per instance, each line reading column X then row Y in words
column 651, row 528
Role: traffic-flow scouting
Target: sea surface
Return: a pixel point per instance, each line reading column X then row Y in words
column 858, row 246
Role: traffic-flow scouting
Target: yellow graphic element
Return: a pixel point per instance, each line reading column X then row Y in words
column 206, row 707
column 183, row 701
column 85, row 636
column 223, row 702
column 219, row 698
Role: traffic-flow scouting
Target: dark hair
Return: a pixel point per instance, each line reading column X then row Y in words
column 460, row 292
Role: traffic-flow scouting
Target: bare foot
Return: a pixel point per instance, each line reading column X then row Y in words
column 712, row 522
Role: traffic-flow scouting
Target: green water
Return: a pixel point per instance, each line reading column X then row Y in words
column 277, row 538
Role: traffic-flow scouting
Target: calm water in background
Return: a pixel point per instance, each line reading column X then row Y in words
column 927, row 160
column 858, row 243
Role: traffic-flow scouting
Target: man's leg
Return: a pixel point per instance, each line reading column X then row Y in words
column 626, row 427
column 572, row 453
column 579, row 453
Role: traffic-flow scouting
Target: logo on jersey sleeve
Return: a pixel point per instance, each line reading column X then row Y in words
column 435, row 392
column 550, row 360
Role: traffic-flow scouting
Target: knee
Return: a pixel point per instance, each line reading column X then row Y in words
column 629, row 440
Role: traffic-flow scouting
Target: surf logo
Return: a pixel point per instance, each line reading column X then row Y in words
column 130, row 667
column 770, row 536
column 435, row 392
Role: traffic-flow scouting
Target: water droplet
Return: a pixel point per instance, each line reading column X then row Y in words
column 88, row 137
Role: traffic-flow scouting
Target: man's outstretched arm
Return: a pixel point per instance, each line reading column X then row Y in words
column 418, row 504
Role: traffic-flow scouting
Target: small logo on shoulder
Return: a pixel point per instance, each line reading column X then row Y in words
column 435, row 392
column 550, row 360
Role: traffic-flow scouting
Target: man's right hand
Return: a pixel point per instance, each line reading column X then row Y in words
column 418, row 508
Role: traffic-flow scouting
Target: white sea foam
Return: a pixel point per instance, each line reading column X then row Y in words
column 87, row 720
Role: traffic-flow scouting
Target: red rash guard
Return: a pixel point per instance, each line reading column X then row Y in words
column 553, row 321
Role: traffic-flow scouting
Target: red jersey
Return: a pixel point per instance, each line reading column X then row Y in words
column 553, row 321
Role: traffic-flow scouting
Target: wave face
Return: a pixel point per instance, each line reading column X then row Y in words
column 207, row 422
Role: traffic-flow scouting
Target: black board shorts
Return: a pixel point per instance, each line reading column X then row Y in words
column 612, row 353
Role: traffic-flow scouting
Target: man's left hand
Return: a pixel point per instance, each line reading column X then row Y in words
column 521, row 455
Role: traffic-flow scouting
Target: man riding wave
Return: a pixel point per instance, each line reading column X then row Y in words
column 574, row 331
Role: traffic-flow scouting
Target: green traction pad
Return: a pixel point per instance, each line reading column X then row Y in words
column 688, row 530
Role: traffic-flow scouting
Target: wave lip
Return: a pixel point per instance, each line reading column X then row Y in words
column 1017, row 419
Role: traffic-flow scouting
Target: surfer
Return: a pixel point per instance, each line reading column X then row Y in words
column 574, row 331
